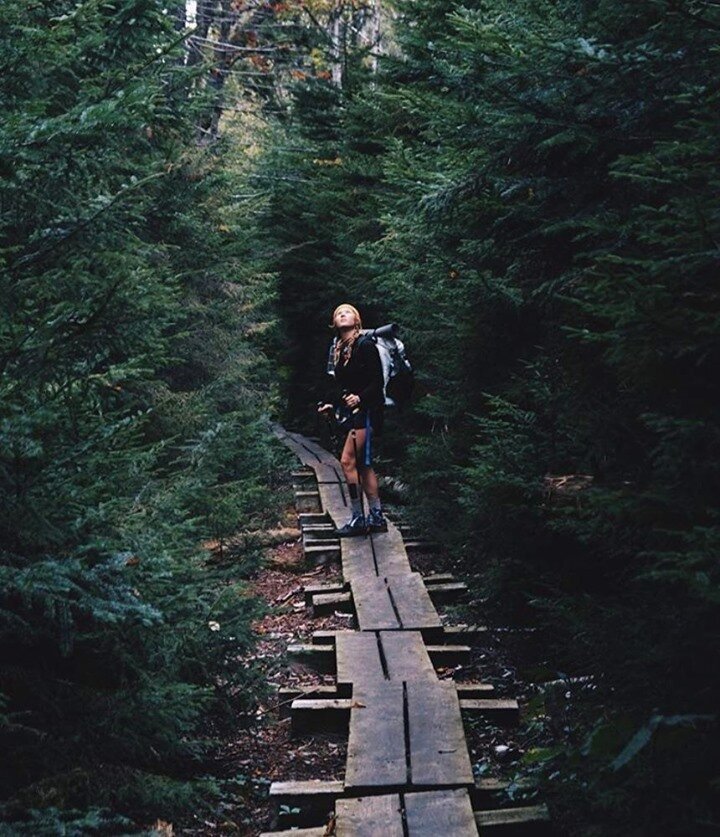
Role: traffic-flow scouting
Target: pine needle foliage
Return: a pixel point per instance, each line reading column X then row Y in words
column 132, row 421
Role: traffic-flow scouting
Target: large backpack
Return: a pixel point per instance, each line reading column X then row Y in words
column 398, row 377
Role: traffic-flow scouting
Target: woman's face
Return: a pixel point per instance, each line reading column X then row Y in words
column 344, row 317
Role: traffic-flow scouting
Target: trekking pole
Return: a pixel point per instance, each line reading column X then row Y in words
column 353, row 433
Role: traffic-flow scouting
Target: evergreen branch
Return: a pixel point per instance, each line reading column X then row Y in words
column 30, row 258
column 155, row 58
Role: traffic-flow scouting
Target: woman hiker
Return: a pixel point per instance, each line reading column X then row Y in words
column 360, row 404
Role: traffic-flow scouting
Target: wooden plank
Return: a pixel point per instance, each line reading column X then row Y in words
column 440, row 812
column 369, row 816
column 324, row 604
column 438, row 578
column 326, row 474
column 311, row 446
column 357, row 559
column 465, row 633
column 358, row 659
column 413, row 603
column 406, row 656
column 499, row 710
column 297, row 832
column 375, row 556
column 390, row 553
column 326, row 532
column 311, row 590
column 312, row 543
column 468, row 691
column 373, row 606
column 376, row 741
column 305, row 518
column 393, row 564
column 447, row 593
column 314, row 454
column 287, row 694
column 294, row 790
column 333, row 503
column 514, row 822
column 438, row 751
column 304, row 455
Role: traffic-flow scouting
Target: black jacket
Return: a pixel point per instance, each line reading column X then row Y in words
column 361, row 375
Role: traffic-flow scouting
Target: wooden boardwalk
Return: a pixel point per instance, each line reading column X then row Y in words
column 408, row 770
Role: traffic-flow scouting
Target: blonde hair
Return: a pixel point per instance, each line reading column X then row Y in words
column 343, row 348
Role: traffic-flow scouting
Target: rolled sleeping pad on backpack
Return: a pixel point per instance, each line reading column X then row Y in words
column 389, row 330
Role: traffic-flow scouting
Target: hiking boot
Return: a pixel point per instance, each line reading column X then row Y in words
column 376, row 521
column 355, row 526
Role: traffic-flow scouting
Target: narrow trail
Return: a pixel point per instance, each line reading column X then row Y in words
column 408, row 771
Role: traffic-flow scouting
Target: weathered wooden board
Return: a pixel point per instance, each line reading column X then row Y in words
column 358, row 659
column 369, row 816
column 438, row 751
column 498, row 710
column 357, row 559
column 513, row 822
column 390, row 553
column 334, row 503
column 303, row 454
column 328, row 475
column 406, row 656
column 287, row 694
column 376, row 740
column 324, row 604
column 314, row 450
column 433, row 813
column 413, row 604
column 405, row 728
column 373, row 605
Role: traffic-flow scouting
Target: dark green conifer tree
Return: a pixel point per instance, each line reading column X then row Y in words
column 131, row 420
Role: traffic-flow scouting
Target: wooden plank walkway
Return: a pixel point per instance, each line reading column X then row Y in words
column 408, row 770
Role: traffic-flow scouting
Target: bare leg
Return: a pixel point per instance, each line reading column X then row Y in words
column 369, row 481
column 347, row 459
column 358, row 473
column 352, row 450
